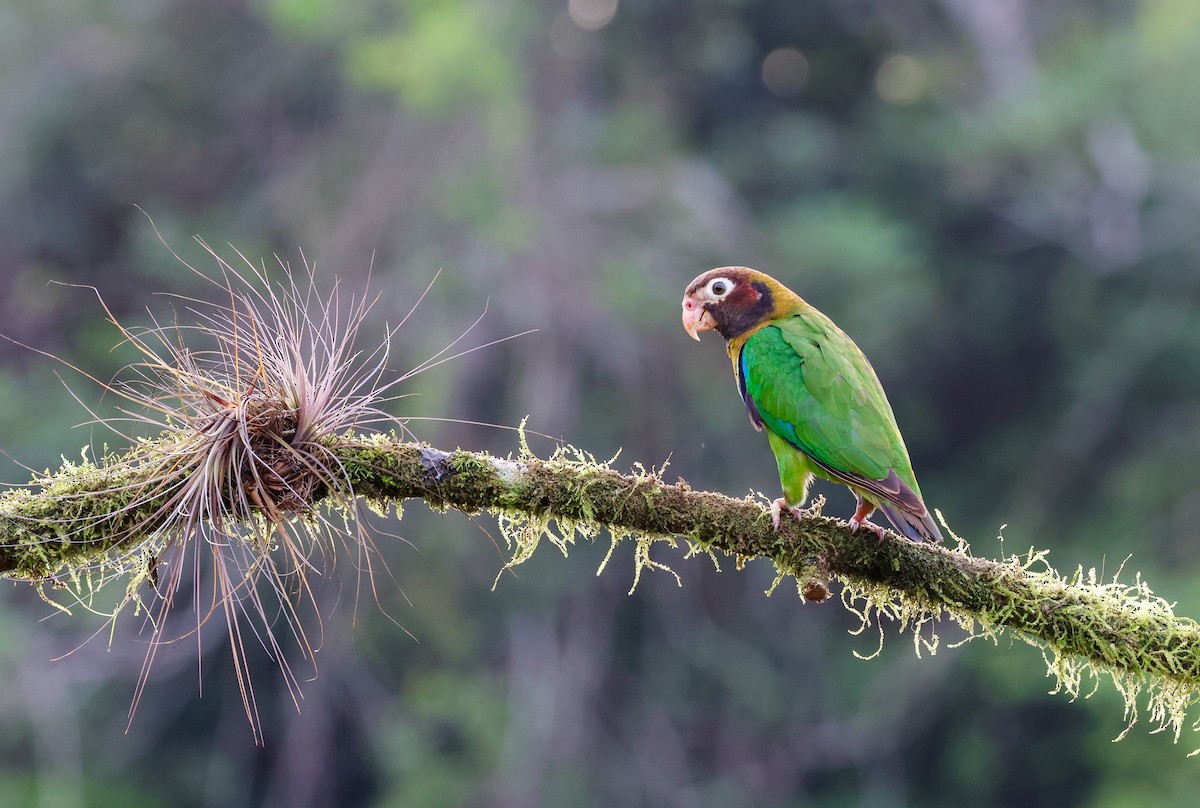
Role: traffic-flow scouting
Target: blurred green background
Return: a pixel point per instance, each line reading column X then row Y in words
column 997, row 198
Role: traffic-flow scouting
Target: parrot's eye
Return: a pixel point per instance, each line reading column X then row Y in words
column 719, row 287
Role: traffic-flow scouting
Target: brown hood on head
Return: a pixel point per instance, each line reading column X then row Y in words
column 730, row 300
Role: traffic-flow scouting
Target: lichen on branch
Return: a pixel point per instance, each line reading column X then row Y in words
column 1084, row 627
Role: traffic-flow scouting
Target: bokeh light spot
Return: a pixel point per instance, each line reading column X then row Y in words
column 785, row 72
column 592, row 14
column 901, row 79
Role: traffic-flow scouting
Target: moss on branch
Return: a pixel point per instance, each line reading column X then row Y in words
column 73, row 518
column 81, row 514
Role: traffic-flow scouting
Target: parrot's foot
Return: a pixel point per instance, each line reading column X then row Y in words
column 779, row 507
column 856, row 523
column 859, row 519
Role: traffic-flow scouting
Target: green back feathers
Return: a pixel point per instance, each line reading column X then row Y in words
column 807, row 382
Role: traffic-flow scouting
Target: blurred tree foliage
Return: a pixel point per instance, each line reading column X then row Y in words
column 995, row 197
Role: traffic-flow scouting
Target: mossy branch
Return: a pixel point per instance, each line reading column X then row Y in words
column 79, row 516
column 1116, row 627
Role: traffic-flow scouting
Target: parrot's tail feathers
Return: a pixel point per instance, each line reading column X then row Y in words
column 917, row 528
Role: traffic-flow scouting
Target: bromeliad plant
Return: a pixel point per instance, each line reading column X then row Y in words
column 221, row 504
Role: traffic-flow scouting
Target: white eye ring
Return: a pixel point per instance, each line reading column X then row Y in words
column 719, row 287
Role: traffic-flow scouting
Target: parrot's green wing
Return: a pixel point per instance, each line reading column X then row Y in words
column 805, row 380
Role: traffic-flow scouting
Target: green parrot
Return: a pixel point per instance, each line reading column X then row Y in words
column 810, row 386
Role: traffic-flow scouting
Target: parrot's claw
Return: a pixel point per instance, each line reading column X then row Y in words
column 778, row 507
column 856, row 523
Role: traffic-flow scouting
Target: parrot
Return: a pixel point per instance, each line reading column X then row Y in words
column 806, row 383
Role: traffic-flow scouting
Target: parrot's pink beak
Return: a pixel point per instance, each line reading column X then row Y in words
column 696, row 318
